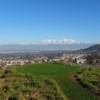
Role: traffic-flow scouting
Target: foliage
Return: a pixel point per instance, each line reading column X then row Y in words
column 61, row 74
column 28, row 87
column 91, row 77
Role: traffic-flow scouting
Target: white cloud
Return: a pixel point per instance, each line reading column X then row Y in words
column 60, row 41
column 51, row 41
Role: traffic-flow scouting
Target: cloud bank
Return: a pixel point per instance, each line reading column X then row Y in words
column 61, row 41
column 53, row 41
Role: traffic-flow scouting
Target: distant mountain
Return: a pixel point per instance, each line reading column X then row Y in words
column 35, row 48
column 93, row 49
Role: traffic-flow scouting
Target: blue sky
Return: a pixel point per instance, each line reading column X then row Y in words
column 35, row 20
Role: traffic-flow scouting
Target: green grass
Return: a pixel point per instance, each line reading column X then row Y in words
column 91, row 77
column 42, row 69
column 61, row 73
column 18, row 86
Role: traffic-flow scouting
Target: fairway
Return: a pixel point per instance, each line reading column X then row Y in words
column 61, row 74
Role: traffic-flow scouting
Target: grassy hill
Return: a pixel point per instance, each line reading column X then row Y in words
column 62, row 74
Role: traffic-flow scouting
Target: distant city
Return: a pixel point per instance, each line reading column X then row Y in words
column 26, row 54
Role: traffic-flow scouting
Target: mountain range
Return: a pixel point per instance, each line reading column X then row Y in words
column 93, row 49
column 35, row 48
column 77, row 48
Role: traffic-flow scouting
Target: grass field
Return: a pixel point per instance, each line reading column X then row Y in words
column 20, row 87
column 62, row 75
column 90, row 77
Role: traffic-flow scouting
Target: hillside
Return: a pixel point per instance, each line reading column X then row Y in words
column 61, row 74
column 93, row 49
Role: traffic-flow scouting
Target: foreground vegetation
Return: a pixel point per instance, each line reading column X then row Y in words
column 60, row 75
column 25, row 87
column 89, row 78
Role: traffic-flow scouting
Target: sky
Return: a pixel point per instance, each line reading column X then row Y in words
column 62, row 21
